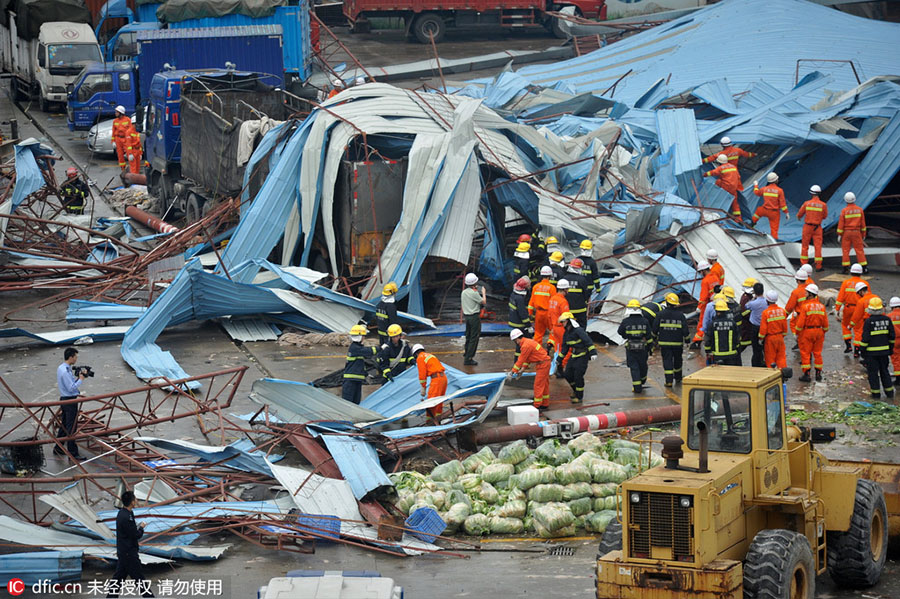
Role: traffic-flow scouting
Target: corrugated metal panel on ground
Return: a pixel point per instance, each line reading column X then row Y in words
column 52, row 566
column 299, row 403
column 677, row 128
column 250, row 329
column 235, row 455
column 358, row 462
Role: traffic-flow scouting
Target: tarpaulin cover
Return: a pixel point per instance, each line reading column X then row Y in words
column 181, row 10
column 28, row 174
column 31, row 14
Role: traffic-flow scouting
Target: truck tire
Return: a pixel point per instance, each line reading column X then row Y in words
column 856, row 557
column 194, row 209
column 611, row 539
column 557, row 30
column 43, row 103
column 779, row 565
column 428, row 25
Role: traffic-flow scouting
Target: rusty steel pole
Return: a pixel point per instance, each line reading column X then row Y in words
column 151, row 221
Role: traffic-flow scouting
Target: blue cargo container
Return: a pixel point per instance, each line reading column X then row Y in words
column 146, row 13
column 256, row 49
column 294, row 21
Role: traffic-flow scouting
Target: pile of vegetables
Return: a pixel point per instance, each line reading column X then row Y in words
column 551, row 491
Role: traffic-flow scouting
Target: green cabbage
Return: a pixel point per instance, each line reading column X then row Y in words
column 477, row 525
column 508, row 526
column 448, row 472
column 497, row 472
column 576, row 491
column 579, row 507
column 545, row 493
column 567, row 474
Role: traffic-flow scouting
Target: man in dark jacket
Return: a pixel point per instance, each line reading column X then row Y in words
column 573, row 357
column 877, row 345
column 386, row 312
column 355, row 368
column 636, row 331
column 589, row 267
column 579, row 293
column 519, row 317
column 395, row 356
column 74, row 192
column 671, row 333
column 723, row 336
column 128, row 560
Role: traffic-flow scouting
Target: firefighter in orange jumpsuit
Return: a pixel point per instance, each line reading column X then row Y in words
column 798, row 296
column 531, row 352
column 122, row 128
column 558, row 305
column 707, row 289
column 337, row 86
column 733, row 153
column 715, row 267
column 728, row 178
column 812, row 324
column 772, row 329
column 851, row 231
column 134, row 151
column 430, row 367
column 773, row 202
column 813, row 212
column 847, row 299
column 539, row 304
column 860, row 315
column 895, row 320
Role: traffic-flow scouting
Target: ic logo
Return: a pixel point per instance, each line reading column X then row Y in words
column 16, row 587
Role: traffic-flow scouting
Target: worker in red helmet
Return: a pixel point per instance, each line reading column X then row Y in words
column 531, row 352
column 579, row 293
column 73, row 192
column 519, row 316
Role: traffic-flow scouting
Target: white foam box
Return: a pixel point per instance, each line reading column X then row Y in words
column 522, row 415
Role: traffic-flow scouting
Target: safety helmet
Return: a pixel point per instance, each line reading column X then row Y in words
column 633, row 303
column 546, row 271
column 577, row 264
column 360, row 81
column 771, row 296
column 586, row 244
column 565, row 316
column 359, row 330
column 725, row 141
column 749, row 282
column 389, row 289
column 875, row 304
column 849, row 197
column 562, row 285
column 120, row 109
column 417, row 348
column 860, row 286
column 808, row 268
column 721, row 306
column 720, row 296
column 556, row 257
column 71, row 172
column 523, row 246
column 672, row 299
column 337, row 82
column 524, row 238
column 515, row 334
column 815, row 189
column 801, row 275
column 814, row 289
column 394, row 330
column 712, row 254
column 772, row 178
column 471, row 279
column 722, row 159
column 704, row 265
column 728, row 292
column 551, row 240
column 895, row 302
column 856, row 269
column 521, row 284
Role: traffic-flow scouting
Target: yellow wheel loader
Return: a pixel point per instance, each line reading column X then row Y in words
column 744, row 506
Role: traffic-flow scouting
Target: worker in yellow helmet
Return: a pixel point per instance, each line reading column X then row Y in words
column 386, row 312
column 753, row 302
column 723, row 336
column 521, row 260
column 636, row 330
column 557, row 265
column 670, row 332
column 355, row 367
column 395, row 356
column 572, row 359
column 877, row 344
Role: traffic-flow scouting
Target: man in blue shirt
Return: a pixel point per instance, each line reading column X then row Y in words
column 754, row 307
column 69, row 388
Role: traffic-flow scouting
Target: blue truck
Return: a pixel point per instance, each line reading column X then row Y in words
column 101, row 87
column 193, row 134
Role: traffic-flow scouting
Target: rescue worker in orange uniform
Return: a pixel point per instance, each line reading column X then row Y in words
column 430, row 367
column 531, row 352
column 715, row 267
column 860, row 315
column 728, row 178
column 773, row 204
column 895, row 320
column 798, row 296
column 813, row 212
column 558, row 304
column 847, row 299
column 851, row 231
column 134, row 152
column 539, row 304
column 122, row 128
column 772, row 329
column 337, row 86
column 707, row 289
column 812, row 324
column 733, row 152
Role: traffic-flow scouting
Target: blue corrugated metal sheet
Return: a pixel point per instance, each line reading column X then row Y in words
column 717, row 93
column 84, row 310
column 358, row 463
column 53, row 566
column 239, row 454
column 28, row 175
column 294, row 22
column 299, row 403
column 677, row 129
column 146, row 13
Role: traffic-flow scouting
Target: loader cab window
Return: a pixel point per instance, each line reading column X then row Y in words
column 727, row 417
column 774, row 427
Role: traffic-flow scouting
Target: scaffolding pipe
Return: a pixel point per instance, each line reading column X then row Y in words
column 157, row 224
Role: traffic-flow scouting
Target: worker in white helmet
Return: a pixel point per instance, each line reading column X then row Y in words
column 852, row 232
column 472, row 302
column 715, row 267
column 336, row 87
column 123, row 133
column 813, row 212
column 733, row 154
column 773, row 203
column 728, row 178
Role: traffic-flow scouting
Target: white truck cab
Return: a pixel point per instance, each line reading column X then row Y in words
column 61, row 52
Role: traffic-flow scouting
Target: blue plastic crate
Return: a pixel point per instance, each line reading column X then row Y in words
column 425, row 524
column 328, row 526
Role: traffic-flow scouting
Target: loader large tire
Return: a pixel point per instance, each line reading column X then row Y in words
column 779, row 565
column 611, row 539
column 856, row 557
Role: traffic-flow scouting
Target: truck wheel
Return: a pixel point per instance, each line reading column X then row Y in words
column 779, row 565
column 428, row 25
column 611, row 539
column 43, row 103
column 557, row 30
column 194, row 209
column 856, row 557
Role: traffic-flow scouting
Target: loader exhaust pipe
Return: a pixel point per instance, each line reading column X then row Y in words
column 704, row 447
